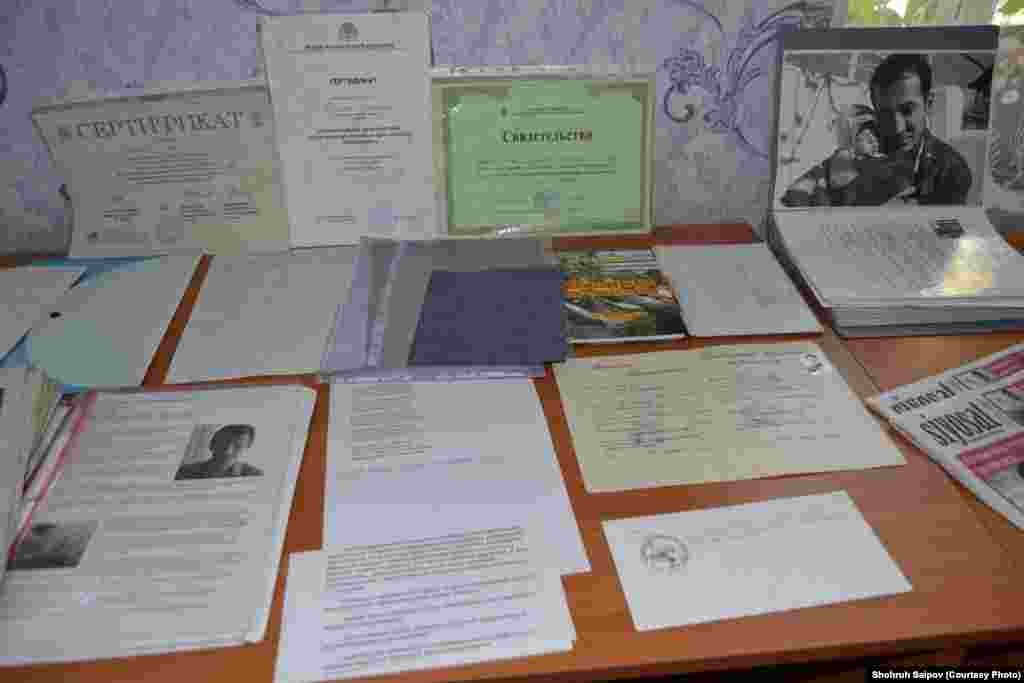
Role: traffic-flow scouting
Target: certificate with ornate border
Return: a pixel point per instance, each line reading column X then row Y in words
column 548, row 151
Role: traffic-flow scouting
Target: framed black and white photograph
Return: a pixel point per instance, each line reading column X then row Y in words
column 874, row 127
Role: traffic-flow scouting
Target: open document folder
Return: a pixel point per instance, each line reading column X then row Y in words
column 449, row 309
column 164, row 528
column 878, row 198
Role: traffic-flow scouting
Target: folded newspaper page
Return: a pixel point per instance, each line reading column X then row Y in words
column 971, row 421
column 163, row 528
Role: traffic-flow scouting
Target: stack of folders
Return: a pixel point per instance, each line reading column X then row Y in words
column 449, row 309
column 919, row 271
column 148, row 522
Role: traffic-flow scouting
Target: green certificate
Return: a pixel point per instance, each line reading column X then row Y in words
column 547, row 155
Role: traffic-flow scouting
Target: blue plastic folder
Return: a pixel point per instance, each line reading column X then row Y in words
column 18, row 357
column 502, row 316
column 105, row 329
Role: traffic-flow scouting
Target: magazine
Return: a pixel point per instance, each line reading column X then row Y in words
column 971, row 421
column 618, row 295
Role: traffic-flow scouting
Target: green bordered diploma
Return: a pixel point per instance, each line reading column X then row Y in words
column 554, row 155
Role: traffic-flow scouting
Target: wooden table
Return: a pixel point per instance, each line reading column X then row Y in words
column 960, row 558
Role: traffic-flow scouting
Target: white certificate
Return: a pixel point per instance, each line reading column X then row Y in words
column 721, row 413
column 351, row 94
column 728, row 562
column 170, row 170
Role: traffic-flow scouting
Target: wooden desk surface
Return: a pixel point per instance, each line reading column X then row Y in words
column 965, row 591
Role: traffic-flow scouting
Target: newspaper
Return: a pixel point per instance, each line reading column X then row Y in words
column 971, row 421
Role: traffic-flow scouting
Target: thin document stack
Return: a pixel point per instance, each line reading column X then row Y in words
column 905, row 276
column 441, row 309
column 27, row 404
column 163, row 528
column 970, row 420
column 447, row 528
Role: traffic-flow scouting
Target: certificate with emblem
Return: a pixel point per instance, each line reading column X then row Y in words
column 169, row 169
column 542, row 151
column 351, row 99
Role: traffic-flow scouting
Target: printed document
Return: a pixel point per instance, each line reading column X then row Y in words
column 171, row 169
column 434, row 458
column 735, row 289
column 25, row 293
column 418, row 603
column 287, row 301
column 351, row 94
column 736, row 561
column 720, row 413
column 164, row 529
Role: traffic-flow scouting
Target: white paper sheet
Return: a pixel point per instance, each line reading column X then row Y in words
column 104, row 332
column 351, row 96
column 418, row 603
column 24, row 294
column 734, row 289
column 722, row 563
column 427, row 459
column 285, row 301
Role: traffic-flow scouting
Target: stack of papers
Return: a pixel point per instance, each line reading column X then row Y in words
column 449, row 309
column 735, row 289
column 163, row 529
column 927, row 270
column 285, row 301
column 446, row 532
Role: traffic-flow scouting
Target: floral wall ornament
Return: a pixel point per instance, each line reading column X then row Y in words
column 713, row 94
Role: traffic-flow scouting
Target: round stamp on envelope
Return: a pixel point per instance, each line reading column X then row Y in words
column 664, row 554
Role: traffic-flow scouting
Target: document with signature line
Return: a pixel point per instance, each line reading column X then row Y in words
column 721, row 413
